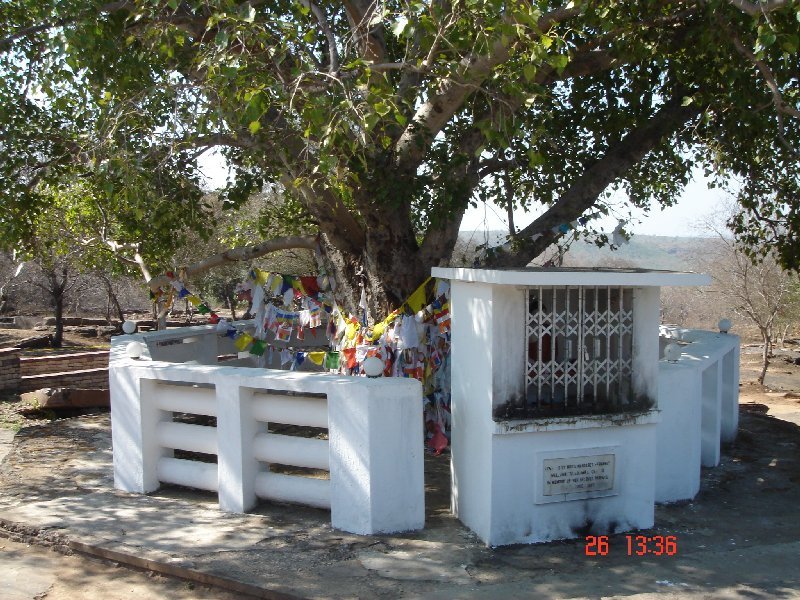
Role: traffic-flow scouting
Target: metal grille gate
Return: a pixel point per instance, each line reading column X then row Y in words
column 579, row 349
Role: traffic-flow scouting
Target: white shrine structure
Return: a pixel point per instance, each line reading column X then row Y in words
column 564, row 420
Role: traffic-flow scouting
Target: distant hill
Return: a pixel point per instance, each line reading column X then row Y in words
column 643, row 251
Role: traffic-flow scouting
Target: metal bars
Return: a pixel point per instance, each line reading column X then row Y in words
column 579, row 349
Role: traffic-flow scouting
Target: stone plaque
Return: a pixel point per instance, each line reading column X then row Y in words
column 578, row 474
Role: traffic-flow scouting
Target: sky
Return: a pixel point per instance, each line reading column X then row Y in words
column 683, row 219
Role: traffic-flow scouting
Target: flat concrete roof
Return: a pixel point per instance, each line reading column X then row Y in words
column 577, row 276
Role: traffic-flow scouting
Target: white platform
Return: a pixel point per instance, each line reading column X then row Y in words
column 501, row 470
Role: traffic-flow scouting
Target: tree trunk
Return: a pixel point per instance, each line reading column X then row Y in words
column 230, row 301
column 58, row 313
column 112, row 301
column 188, row 310
column 56, row 288
column 765, row 354
column 160, row 314
column 387, row 282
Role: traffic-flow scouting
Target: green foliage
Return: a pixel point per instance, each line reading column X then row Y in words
column 123, row 99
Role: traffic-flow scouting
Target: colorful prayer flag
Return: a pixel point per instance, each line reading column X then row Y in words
column 316, row 357
column 243, row 341
column 417, row 299
column 284, row 332
column 332, row 360
column 350, row 357
column 258, row 347
column 261, row 276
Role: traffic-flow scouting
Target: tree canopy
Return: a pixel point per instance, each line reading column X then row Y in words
column 384, row 120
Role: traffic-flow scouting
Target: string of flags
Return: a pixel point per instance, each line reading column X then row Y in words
column 177, row 291
column 413, row 341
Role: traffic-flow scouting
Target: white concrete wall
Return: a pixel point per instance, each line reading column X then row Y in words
column 472, row 360
column 494, row 486
column 202, row 344
column 678, row 434
column 518, row 514
column 509, row 344
column 729, row 408
column 719, row 351
column 646, row 308
column 699, row 403
column 374, row 429
column 710, row 415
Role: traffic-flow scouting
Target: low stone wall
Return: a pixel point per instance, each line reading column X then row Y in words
column 60, row 363
column 85, row 378
column 9, row 369
column 79, row 370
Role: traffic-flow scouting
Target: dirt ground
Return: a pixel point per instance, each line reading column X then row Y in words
column 780, row 395
column 32, row 571
column 739, row 538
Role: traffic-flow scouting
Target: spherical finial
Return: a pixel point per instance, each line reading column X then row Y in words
column 724, row 325
column 134, row 349
column 672, row 352
column 129, row 327
column 373, row 366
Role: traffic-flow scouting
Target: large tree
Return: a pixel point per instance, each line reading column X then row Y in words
column 384, row 120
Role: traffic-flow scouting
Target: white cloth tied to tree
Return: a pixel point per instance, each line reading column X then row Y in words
column 260, row 308
column 407, row 335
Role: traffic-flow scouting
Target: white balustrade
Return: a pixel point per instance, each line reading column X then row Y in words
column 374, row 453
column 290, row 488
column 698, row 396
column 291, row 450
column 185, row 436
column 190, row 473
column 194, row 400
column 290, row 410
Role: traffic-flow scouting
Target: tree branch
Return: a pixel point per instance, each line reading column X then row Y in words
column 761, row 7
column 6, row 41
column 781, row 107
column 243, row 253
column 319, row 15
column 432, row 115
column 583, row 192
column 359, row 14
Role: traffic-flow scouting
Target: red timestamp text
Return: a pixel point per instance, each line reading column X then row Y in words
column 636, row 545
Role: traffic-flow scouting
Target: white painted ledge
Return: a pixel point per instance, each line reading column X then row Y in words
column 573, row 276
column 577, row 422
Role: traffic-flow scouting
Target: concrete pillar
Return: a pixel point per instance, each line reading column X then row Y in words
column 730, row 393
column 472, row 361
column 376, row 455
column 711, row 415
column 134, row 425
column 645, row 342
column 236, row 432
column 678, row 434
